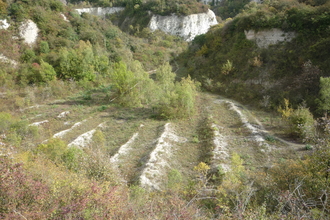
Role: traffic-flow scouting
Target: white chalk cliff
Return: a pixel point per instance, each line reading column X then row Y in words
column 267, row 37
column 29, row 32
column 213, row 2
column 100, row 11
column 187, row 27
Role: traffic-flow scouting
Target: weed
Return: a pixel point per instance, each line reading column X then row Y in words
column 102, row 108
column 87, row 95
column 308, row 147
column 270, row 138
column 195, row 139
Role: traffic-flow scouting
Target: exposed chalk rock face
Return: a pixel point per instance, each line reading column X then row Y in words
column 152, row 175
column 187, row 27
column 220, row 151
column 64, row 17
column 100, row 11
column 86, row 138
column 268, row 37
column 4, row 24
column 4, row 59
column 212, row 2
column 29, row 32
column 39, row 123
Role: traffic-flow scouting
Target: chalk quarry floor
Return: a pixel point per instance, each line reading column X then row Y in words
column 143, row 150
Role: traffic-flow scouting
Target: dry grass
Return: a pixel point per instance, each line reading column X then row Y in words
column 121, row 123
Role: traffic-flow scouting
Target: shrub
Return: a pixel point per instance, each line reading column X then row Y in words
column 187, row 91
column 72, row 158
column 324, row 101
column 5, row 121
column 96, row 166
column 285, row 111
column 99, row 139
column 21, row 194
column 132, row 85
column 36, row 73
column 39, row 14
column 54, row 149
column 44, row 47
column 227, row 67
column 174, row 179
column 16, row 130
column 17, row 11
column 175, row 100
column 3, row 8
column 46, row 72
column 77, row 64
column 27, row 56
column 302, row 123
column 236, row 190
column 56, row 5
column 6, row 79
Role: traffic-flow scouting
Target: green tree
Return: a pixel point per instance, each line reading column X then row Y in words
column 165, row 78
column 77, row 63
column 47, row 72
column 179, row 101
column 122, row 78
column 187, row 91
column 324, row 101
column 302, row 123
column 132, row 85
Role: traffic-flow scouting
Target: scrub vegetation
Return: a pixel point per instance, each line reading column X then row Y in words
column 99, row 121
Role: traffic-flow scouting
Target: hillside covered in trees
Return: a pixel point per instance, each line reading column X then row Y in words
column 101, row 118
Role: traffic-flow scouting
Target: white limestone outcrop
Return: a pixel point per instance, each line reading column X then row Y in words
column 4, row 59
column 4, row 24
column 100, row 11
column 64, row 17
column 217, row 2
column 187, row 27
column 267, row 37
column 257, row 1
column 29, row 32
column 213, row 2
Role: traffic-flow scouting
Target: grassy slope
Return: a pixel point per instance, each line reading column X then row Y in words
column 122, row 123
column 283, row 66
